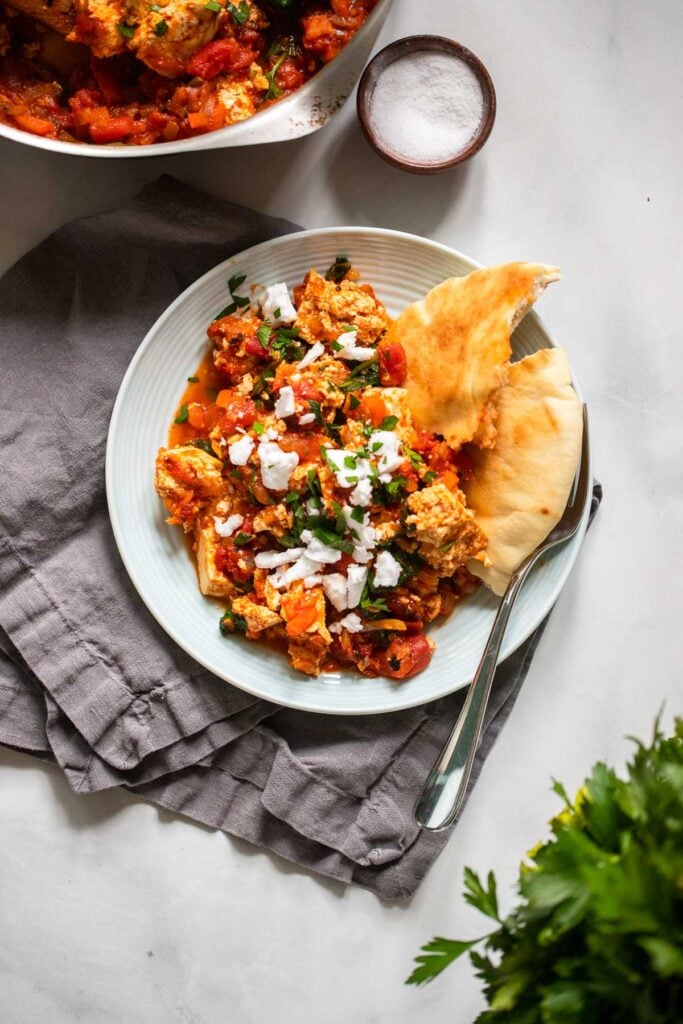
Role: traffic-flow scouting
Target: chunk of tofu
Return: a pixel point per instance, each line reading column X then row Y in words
column 276, row 519
column 189, row 25
column 186, row 480
column 445, row 529
column 255, row 615
column 97, row 25
column 212, row 582
column 326, row 308
column 307, row 654
column 240, row 97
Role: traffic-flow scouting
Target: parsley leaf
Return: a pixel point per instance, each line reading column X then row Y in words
column 182, row 415
column 161, row 28
column 437, row 956
column 240, row 14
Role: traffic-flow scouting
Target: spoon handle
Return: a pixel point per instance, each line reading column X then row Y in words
column 444, row 791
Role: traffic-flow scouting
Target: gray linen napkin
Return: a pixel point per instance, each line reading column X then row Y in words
column 87, row 677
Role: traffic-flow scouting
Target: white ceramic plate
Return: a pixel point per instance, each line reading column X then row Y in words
column 402, row 268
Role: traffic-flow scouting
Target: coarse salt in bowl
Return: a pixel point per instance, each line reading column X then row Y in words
column 426, row 104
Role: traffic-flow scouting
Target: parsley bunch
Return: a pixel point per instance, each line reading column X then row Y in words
column 598, row 935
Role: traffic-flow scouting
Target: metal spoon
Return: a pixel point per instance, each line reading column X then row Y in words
column 444, row 791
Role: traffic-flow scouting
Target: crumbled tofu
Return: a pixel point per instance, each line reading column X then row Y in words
column 257, row 617
column 327, row 308
column 189, row 25
column 187, row 479
column 277, row 519
column 444, row 528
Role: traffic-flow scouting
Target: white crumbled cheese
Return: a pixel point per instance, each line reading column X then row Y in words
column 385, row 445
column 226, row 527
column 348, row 467
column 277, row 306
column 313, row 581
column 356, row 576
column 361, row 554
column 239, row 451
column 303, row 567
column 284, row 405
column 320, row 552
column 351, row 622
column 270, row 434
column 387, row 570
column 271, row 559
column 314, row 352
column 308, row 417
column 362, row 493
column 277, row 580
column 363, row 533
column 276, row 465
column 350, row 350
column 334, row 585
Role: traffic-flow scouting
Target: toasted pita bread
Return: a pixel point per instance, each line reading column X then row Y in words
column 521, row 486
column 457, row 344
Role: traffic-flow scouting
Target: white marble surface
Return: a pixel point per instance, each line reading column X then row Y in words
column 114, row 912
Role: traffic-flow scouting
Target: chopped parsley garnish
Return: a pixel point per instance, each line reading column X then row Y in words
column 264, row 335
column 354, row 401
column 286, row 343
column 193, row 380
column 240, row 13
column 281, row 50
column 333, row 540
column 365, row 375
column 161, row 28
column 127, row 31
column 338, row 271
column 316, row 410
column 258, row 428
column 238, row 301
column 242, row 539
column 415, row 457
column 358, row 514
column 388, row 423
column 350, row 461
column 204, row 445
column 340, row 522
column 231, row 623
column 337, row 346
column 395, row 486
column 157, row 8
column 291, row 497
column 429, row 476
column 212, row 394
column 213, row 5
column 182, row 415
column 263, row 378
column 278, row 313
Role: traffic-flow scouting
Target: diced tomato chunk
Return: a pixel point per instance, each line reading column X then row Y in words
column 220, row 55
column 238, row 410
column 393, row 366
column 227, row 562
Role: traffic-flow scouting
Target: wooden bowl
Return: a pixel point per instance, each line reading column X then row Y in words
column 416, row 44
